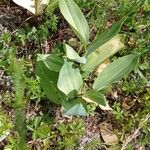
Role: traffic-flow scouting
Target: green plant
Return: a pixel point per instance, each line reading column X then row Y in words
column 117, row 111
column 64, row 136
column 38, row 128
column 34, row 90
column 5, row 40
column 94, row 144
column 66, row 79
column 5, row 126
column 71, row 134
column 17, row 70
column 7, row 98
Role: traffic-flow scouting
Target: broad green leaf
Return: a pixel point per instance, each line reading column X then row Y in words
column 48, row 79
column 104, row 37
column 77, row 110
column 94, row 96
column 51, row 61
column 43, row 72
column 69, row 78
column 115, row 71
column 72, row 95
column 52, row 92
column 75, row 18
column 75, row 107
column 103, row 52
column 73, row 55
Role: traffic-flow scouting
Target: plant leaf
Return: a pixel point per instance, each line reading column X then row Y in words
column 51, row 61
column 94, row 96
column 48, row 79
column 52, row 3
column 69, row 78
column 43, row 72
column 115, row 71
column 52, row 92
column 103, row 52
column 104, row 37
column 77, row 110
column 73, row 55
column 75, row 18
column 75, row 107
column 108, row 136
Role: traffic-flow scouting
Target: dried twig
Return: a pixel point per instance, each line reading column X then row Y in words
column 135, row 134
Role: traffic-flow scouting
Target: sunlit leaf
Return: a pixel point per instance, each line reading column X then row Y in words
column 75, row 18
column 51, row 61
column 115, row 71
column 103, row 52
column 69, row 79
column 73, row 55
column 75, row 107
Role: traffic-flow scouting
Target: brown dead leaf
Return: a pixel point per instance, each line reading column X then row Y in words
column 108, row 136
column 73, row 42
column 128, row 103
column 131, row 41
column 102, row 66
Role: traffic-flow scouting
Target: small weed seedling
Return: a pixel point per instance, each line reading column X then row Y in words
column 117, row 111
